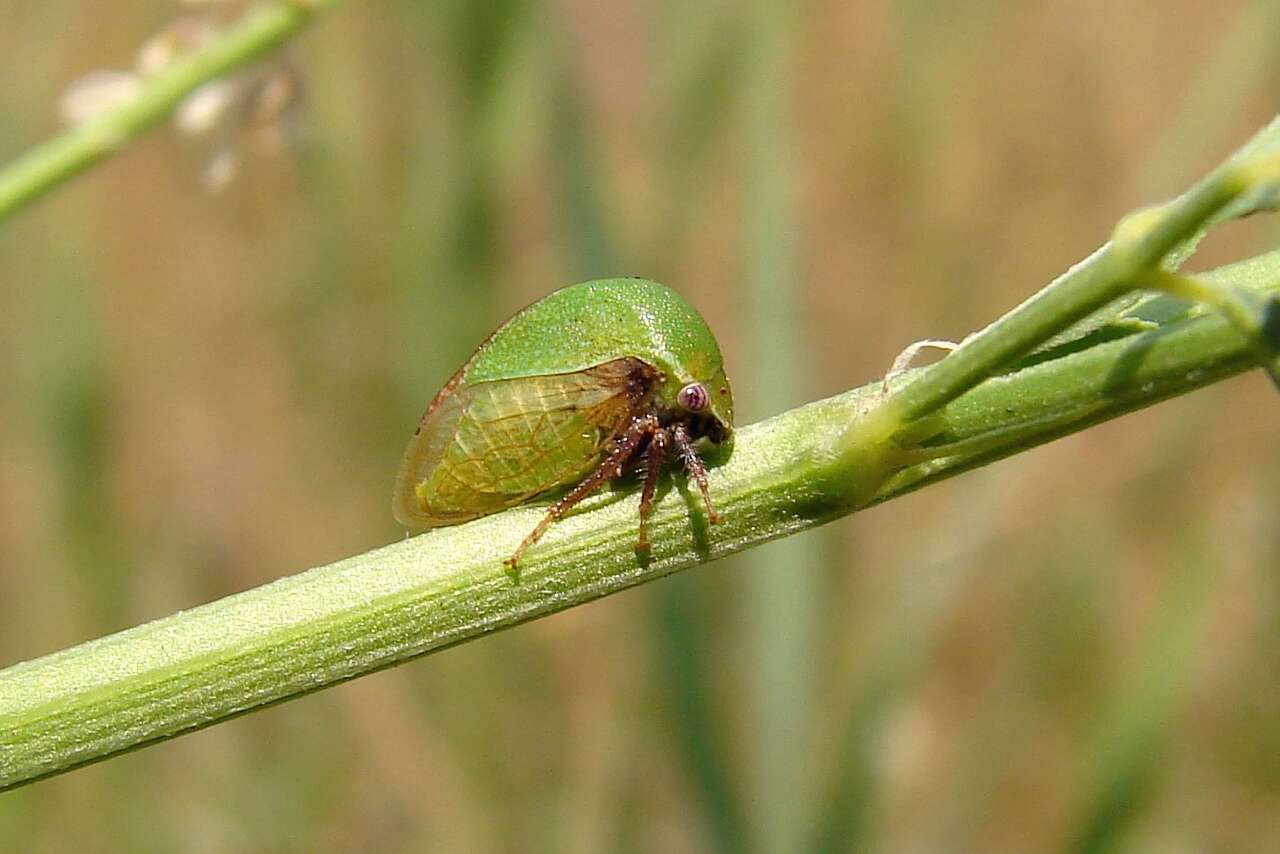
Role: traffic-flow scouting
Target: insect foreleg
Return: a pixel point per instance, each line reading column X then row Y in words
column 693, row 465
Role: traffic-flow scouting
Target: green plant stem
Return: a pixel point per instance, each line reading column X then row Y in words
column 263, row 28
column 1250, row 317
column 375, row 610
column 1140, row 244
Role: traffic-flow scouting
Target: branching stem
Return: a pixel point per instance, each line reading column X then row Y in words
column 1131, row 261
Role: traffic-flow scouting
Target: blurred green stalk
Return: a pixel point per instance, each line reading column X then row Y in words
column 264, row 27
column 699, row 49
column 1126, row 761
column 782, row 582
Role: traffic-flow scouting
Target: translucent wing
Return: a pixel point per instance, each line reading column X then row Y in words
column 494, row 444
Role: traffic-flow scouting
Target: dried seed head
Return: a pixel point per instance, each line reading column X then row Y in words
column 221, row 170
column 183, row 35
column 253, row 110
column 205, row 107
column 95, row 92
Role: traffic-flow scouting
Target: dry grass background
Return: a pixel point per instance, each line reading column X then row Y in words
column 1076, row 649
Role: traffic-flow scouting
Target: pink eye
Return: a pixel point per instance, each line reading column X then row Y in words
column 693, row 397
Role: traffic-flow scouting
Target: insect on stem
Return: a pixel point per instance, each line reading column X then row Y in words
column 583, row 386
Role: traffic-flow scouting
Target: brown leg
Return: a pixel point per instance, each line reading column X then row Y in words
column 612, row 467
column 653, row 463
column 693, row 465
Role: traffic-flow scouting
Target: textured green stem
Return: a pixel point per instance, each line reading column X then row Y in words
column 263, row 28
column 335, row 622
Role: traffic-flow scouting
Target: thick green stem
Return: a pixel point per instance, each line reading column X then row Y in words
column 264, row 28
column 336, row 622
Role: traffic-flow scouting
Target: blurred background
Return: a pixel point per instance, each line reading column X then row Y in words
column 214, row 346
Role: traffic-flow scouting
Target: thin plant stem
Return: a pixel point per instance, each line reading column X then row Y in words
column 40, row 170
column 1140, row 243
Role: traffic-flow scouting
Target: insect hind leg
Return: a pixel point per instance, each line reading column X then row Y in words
column 612, row 466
